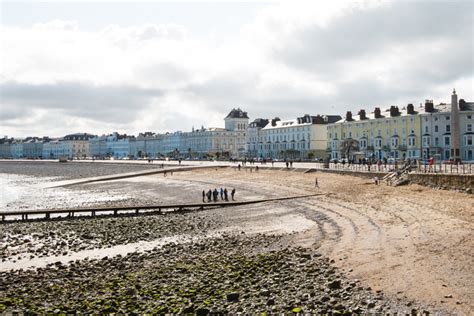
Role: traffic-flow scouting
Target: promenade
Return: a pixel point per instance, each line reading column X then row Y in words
column 464, row 168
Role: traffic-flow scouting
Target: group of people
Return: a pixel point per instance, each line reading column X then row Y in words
column 213, row 195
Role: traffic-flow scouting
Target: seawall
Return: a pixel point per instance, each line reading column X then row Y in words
column 460, row 182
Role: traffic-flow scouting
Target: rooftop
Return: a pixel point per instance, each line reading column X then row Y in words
column 237, row 113
column 305, row 120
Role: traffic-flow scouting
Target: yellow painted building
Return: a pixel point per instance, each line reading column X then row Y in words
column 390, row 133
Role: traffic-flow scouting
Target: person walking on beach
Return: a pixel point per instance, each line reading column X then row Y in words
column 203, row 196
column 222, row 193
column 232, row 193
column 164, row 174
column 215, row 194
column 238, row 167
column 226, row 197
column 209, row 193
column 316, row 182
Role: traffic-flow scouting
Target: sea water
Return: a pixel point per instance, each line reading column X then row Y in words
column 21, row 192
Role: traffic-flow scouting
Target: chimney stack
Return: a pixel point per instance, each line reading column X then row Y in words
column 410, row 109
column 362, row 115
column 377, row 113
column 394, row 111
column 429, row 106
column 349, row 116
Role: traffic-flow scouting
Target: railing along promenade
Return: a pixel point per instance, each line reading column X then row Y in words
column 463, row 168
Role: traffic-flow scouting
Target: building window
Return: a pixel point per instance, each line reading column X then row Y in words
column 426, row 141
column 469, row 127
column 448, row 128
column 426, row 129
column 436, row 129
column 447, row 118
column 469, row 140
column 446, row 140
column 394, row 142
column 436, row 141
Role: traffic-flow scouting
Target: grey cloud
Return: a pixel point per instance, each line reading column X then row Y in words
column 362, row 33
column 105, row 103
column 241, row 90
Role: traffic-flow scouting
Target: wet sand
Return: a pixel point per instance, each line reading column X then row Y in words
column 412, row 244
column 70, row 170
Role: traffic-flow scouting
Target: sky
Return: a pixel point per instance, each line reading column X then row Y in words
column 99, row 67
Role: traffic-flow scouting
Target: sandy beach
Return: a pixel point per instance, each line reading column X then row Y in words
column 359, row 248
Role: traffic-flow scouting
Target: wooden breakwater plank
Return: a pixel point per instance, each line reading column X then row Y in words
column 115, row 209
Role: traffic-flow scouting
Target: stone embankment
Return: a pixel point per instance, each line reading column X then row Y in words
column 362, row 174
column 443, row 181
column 457, row 182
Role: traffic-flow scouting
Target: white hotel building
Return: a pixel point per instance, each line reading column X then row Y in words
column 228, row 141
column 302, row 137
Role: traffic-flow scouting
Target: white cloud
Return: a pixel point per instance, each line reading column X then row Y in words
column 294, row 58
column 57, row 25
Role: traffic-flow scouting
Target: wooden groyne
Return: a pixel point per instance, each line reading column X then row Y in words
column 136, row 209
